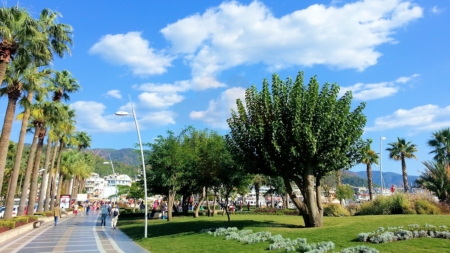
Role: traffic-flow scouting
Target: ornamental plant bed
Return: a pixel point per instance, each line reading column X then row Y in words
column 18, row 224
column 3, row 229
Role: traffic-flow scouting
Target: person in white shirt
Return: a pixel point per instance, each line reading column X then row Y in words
column 114, row 216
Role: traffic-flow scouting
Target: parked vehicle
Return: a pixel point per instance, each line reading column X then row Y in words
column 2, row 211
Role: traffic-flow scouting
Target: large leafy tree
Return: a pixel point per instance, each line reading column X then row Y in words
column 436, row 178
column 299, row 132
column 399, row 151
column 369, row 157
column 441, row 145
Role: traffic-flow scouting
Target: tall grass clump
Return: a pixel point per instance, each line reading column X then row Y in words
column 400, row 203
column 335, row 210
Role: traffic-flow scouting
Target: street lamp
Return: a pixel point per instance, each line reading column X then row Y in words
column 114, row 173
column 133, row 113
column 381, row 160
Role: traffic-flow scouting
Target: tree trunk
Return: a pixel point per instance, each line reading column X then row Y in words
column 197, row 208
column 370, row 181
column 257, row 194
column 26, row 182
column 405, row 174
column 272, row 201
column 58, row 192
column 338, row 177
column 17, row 162
column 170, row 201
column 315, row 219
column 208, row 204
column 6, row 132
column 42, row 191
column 58, row 163
column 35, row 175
column 303, row 211
column 51, row 179
column 214, row 206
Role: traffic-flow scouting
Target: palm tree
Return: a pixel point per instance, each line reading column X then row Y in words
column 400, row 150
column 369, row 157
column 49, row 113
column 441, row 145
column 65, row 132
column 31, row 42
column 436, row 178
column 32, row 80
column 258, row 181
column 83, row 140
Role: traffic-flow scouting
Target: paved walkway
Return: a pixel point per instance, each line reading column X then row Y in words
column 74, row 234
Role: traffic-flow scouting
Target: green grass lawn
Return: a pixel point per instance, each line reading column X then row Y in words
column 182, row 234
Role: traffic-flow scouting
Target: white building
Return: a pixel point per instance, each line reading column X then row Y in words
column 95, row 185
column 105, row 187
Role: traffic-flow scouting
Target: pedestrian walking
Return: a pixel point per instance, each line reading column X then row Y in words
column 114, row 216
column 56, row 213
column 104, row 212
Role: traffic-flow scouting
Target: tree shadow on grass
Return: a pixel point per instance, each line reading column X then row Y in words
column 135, row 228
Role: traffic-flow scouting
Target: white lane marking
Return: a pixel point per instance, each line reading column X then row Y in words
column 97, row 239
column 113, row 243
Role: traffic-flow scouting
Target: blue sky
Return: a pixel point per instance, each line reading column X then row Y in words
column 185, row 62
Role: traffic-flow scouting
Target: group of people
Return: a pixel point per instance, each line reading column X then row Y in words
column 106, row 209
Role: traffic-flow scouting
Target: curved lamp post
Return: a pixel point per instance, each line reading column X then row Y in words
column 381, row 160
column 114, row 173
column 133, row 113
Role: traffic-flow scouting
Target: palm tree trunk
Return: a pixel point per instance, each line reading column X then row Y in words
column 58, row 163
column 6, row 133
column 26, row 182
column 257, row 194
column 405, row 174
column 3, row 65
column 35, row 175
column 42, row 191
column 51, row 179
column 17, row 161
column 60, row 182
column 369, row 181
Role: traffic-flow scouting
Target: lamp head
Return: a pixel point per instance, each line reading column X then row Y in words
column 122, row 113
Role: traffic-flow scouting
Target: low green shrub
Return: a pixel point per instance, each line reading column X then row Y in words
column 394, row 204
column 7, row 223
column 424, row 206
column 400, row 204
column 272, row 211
column 335, row 210
column 32, row 218
column 22, row 219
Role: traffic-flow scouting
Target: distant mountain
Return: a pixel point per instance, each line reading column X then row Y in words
column 389, row 178
column 126, row 155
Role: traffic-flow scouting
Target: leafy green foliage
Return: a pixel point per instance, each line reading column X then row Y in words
column 298, row 132
column 344, row 192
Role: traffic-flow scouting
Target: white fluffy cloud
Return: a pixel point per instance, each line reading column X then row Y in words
column 90, row 117
column 114, row 94
column 158, row 100
column 219, row 110
column 133, row 51
column 426, row 117
column 371, row 91
column 234, row 34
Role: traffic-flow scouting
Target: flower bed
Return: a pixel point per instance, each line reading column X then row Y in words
column 279, row 243
column 7, row 224
column 391, row 234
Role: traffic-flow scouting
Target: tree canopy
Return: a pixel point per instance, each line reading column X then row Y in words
column 299, row 132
